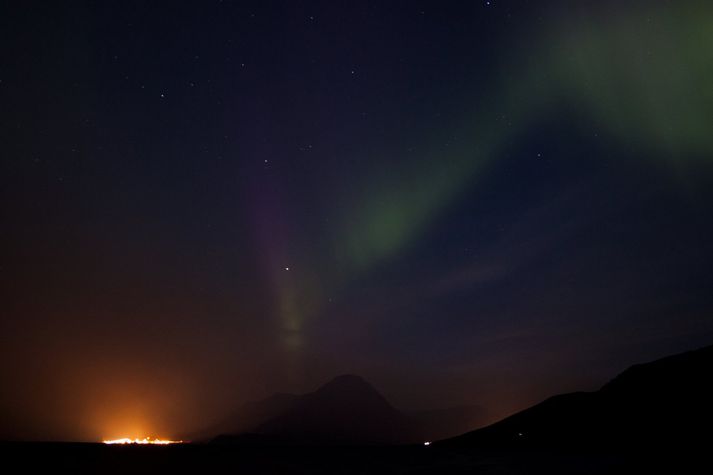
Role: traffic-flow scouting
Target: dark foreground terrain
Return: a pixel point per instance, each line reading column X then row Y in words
column 655, row 417
column 197, row 459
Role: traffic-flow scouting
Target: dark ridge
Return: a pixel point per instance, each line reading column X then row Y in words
column 346, row 410
column 666, row 402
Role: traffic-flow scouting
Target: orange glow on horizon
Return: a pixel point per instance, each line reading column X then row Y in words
column 144, row 441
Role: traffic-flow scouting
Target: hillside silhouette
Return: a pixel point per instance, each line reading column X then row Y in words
column 346, row 410
column 666, row 402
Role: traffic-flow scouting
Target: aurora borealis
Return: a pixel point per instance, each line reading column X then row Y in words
column 482, row 202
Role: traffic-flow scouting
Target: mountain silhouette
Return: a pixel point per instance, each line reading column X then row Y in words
column 247, row 417
column 665, row 402
column 347, row 410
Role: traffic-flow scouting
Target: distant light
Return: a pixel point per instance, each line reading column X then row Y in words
column 287, row 268
column 144, row 441
column 426, row 444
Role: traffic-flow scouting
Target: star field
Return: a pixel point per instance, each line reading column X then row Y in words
column 463, row 202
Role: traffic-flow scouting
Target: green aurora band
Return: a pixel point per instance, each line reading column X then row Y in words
column 643, row 75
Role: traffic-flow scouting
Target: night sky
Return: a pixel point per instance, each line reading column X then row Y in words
column 462, row 202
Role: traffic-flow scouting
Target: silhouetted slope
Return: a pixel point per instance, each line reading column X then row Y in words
column 670, row 398
column 665, row 402
column 346, row 410
column 248, row 417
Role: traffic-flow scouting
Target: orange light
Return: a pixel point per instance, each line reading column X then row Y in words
column 144, row 441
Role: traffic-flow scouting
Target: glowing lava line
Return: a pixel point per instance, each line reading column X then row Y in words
column 144, row 441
